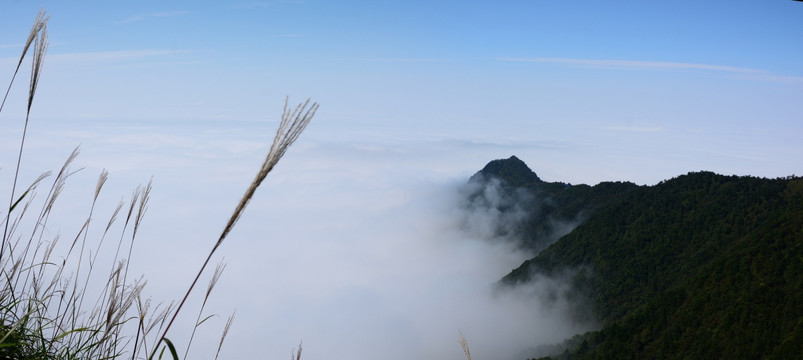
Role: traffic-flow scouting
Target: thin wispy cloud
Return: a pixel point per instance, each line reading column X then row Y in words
column 639, row 65
column 635, row 65
column 774, row 78
column 117, row 56
column 162, row 14
column 407, row 60
column 637, row 129
column 265, row 4
column 120, row 55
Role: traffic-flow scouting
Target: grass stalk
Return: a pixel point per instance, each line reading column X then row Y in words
column 38, row 36
column 296, row 354
column 212, row 282
column 43, row 297
column 464, row 345
column 223, row 336
column 290, row 127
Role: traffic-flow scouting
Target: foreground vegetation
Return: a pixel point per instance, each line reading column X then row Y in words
column 701, row 266
column 58, row 299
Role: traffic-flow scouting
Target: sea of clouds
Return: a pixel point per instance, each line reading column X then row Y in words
column 361, row 249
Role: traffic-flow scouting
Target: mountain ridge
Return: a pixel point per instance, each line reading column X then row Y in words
column 513, row 170
column 698, row 266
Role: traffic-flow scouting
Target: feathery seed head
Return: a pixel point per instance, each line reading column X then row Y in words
column 40, row 48
column 38, row 24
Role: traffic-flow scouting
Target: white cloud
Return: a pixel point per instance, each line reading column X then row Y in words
column 408, row 60
column 641, row 129
column 353, row 248
column 774, row 78
column 640, row 65
column 265, row 4
column 356, row 248
column 140, row 17
column 363, row 257
column 635, row 65
column 119, row 55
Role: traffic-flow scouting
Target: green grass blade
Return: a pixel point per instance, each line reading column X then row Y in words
column 172, row 349
column 170, row 346
column 18, row 201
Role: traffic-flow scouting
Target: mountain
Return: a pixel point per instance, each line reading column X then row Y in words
column 553, row 208
column 512, row 170
column 700, row 266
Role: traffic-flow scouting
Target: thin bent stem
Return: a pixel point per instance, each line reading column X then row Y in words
column 291, row 125
column 40, row 48
column 464, row 345
column 223, row 336
column 38, row 24
column 198, row 321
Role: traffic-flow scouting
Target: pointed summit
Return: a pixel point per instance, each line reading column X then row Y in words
column 512, row 170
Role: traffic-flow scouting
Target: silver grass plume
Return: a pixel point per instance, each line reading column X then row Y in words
column 223, row 336
column 292, row 124
column 212, row 282
column 40, row 48
column 464, row 345
column 38, row 25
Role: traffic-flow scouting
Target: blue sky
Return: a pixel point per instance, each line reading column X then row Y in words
column 415, row 97
column 723, row 74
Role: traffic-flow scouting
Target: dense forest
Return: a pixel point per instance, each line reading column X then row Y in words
column 701, row 266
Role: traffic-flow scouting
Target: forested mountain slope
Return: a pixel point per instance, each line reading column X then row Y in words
column 700, row 266
column 554, row 208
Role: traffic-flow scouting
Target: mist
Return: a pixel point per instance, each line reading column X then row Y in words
column 360, row 250
column 394, row 271
column 371, row 258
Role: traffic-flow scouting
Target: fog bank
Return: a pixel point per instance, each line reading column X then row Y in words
column 360, row 250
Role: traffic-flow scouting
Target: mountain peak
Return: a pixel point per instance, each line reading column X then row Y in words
column 512, row 170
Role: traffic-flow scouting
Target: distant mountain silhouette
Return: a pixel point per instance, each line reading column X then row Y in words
column 700, row 266
column 512, row 170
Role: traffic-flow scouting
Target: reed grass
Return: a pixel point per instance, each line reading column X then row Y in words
column 292, row 123
column 56, row 302
column 296, row 354
column 45, row 310
column 464, row 345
